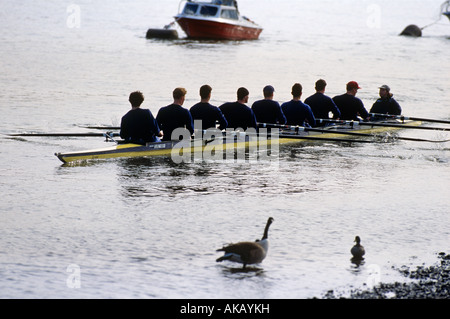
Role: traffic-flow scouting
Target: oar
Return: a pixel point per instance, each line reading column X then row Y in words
column 315, row 138
column 310, row 129
column 298, row 137
column 406, row 118
column 102, row 127
column 402, row 126
column 107, row 134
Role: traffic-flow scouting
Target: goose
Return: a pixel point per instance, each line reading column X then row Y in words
column 358, row 250
column 248, row 252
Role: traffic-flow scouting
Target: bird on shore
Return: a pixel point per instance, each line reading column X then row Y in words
column 248, row 252
column 358, row 250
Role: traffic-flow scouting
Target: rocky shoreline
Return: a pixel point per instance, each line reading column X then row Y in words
column 431, row 282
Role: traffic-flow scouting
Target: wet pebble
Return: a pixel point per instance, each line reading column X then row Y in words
column 431, row 282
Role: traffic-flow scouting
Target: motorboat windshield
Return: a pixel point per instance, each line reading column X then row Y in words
column 226, row 9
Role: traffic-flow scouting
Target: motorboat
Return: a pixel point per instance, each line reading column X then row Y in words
column 216, row 19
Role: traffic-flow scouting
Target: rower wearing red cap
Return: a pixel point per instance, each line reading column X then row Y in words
column 350, row 106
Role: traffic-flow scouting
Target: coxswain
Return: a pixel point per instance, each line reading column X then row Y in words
column 386, row 103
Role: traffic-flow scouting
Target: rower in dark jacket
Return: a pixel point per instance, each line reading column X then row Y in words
column 237, row 114
column 386, row 103
column 350, row 106
column 297, row 112
column 208, row 114
column 138, row 125
column 321, row 105
column 175, row 116
column 268, row 110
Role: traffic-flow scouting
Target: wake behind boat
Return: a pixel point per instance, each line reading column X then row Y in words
column 217, row 19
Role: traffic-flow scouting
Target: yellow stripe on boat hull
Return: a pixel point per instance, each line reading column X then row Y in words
column 135, row 150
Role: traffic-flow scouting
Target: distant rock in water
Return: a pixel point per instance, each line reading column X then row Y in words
column 412, row 31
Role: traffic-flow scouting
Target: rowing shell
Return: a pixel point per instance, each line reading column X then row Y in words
column 220, row 145
column 120, row 150
column 177, row 148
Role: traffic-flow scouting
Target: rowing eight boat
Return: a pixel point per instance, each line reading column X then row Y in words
column 233, row 141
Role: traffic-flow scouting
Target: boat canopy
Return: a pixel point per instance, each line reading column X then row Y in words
column 231, row 3
column 216, row 8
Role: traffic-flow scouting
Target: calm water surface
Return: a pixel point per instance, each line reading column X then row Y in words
column 149, row 228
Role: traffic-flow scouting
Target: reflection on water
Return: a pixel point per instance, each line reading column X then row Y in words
column 299, row 169
column 203, row 45
column 242, row 273
column 357, row 262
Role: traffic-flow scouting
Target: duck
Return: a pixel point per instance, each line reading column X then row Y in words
column 248, row 252
column 358, row 250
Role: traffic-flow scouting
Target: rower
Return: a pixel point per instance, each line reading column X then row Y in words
column 268, row 110
column 207, row 113
column 237, row 113
column 322, row 105
column 138, row 125
column 174, row 116
column 350, row 106
column 297, row 112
